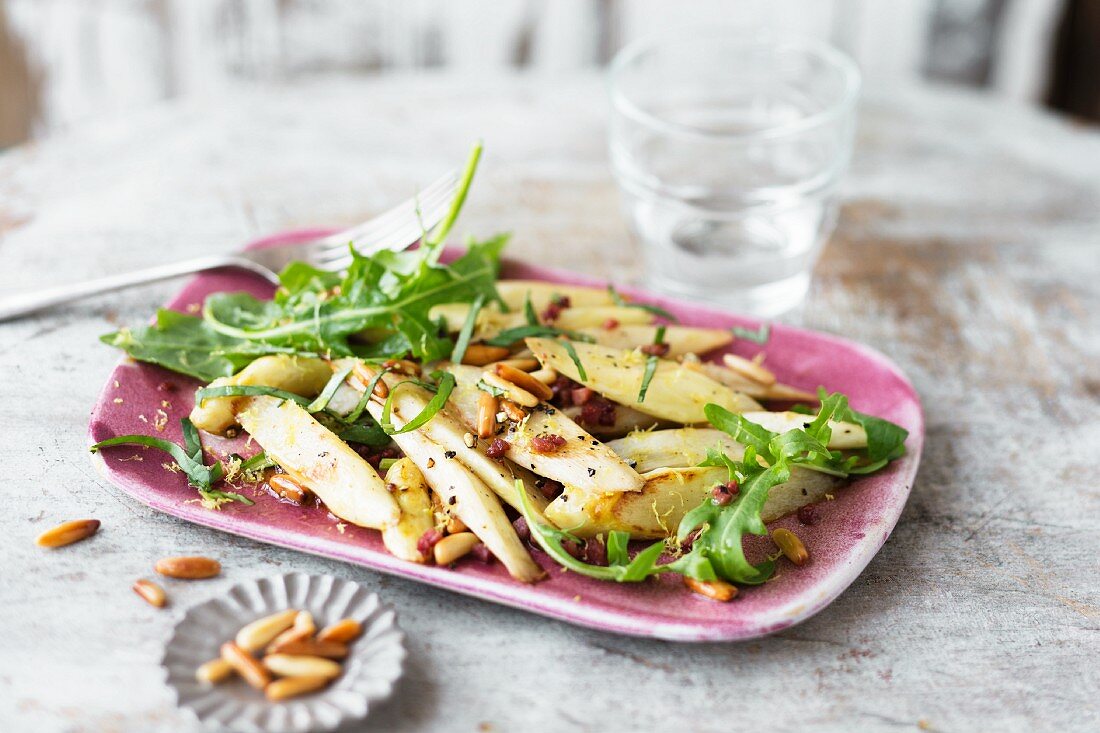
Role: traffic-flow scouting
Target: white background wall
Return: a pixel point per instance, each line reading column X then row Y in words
column 94, row 58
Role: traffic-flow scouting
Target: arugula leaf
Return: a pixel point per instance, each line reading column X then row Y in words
column 758, row 336
column 650, row 365
column 656, row 310
column 185, row 344
column 550, row 539
column 720, row 542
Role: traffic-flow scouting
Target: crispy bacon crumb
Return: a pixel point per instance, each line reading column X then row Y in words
column 547, row 443
column 498, row 448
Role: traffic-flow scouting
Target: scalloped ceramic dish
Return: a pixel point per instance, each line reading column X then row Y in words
column 853, row 528
column 373, row 665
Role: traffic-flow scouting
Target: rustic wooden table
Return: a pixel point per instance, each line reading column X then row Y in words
column 968, row 251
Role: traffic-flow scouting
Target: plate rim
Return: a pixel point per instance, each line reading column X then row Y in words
column 773, row 620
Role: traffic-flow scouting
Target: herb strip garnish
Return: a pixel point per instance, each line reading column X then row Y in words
column 189, row 458
column 651, row 364
column 757, row 336
column 576, row 359
column 442, row 392
column 656, row 310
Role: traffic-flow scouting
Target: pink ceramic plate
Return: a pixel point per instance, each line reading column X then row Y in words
column 140, row 397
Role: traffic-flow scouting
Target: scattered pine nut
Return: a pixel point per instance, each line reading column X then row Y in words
column 343, row 631
column 68, row 533
column 469, row 440
column 792, row 547
column 214, row 671
column 301, row 630
column 480, row 354
column 750, row 369
column 366, row 375
column 289, row 687
column 512, row 411
column 452, row 547
column 287, row 488
column 188, row 568
column 718, row 590
column 546, row 375
column 245, row 665
column 313, row 648
column 526, row 364
column 286, row 665
column 512, row 391
column 455, row 525
column 151, row 592
column 261, row 632
column 524, row 381
column 486, row 415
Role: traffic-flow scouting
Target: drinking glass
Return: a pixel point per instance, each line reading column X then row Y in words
column 728, row 149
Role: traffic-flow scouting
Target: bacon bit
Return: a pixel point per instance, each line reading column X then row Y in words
column 581, row 396
column 572, row 547
column 656, row 349
column 808, row 515
column 549, row 488
column 563, row 388
column 522, row 530
column 547, row 443
column 166, row 387
column 610, row 324
column 721, row 496
column 498, row 448
column 595, row 552
column 554, row 308
column 597, row 411
column 481, row 552
column 427, row 541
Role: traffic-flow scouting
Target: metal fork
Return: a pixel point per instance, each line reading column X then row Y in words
column 395, row 229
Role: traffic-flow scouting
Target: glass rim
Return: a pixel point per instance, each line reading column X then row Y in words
column 837, row 59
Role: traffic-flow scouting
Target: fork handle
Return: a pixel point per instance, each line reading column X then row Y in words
column 21, row 304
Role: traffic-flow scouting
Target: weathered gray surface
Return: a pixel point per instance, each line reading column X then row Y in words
column 969, row 252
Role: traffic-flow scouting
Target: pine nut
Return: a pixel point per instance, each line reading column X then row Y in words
column 750, row 369
column 286, row 665
column 214, row 671
column 366, row 376
column 718, row 590
column 259, row 633
column 289, row 687
column 792, row 547
column 287, row 488
column 151, row 592
column 404, row 366
column 454, row 546
column 343, row 631
column 480, row 354
column 455, row 525
column 188, row 568
column 245, row 665
column 486, row 415
column 524, row 381
column 528, row 364
column 302, row 630
column 312, row 648
column 546, row 375
column 68, row 533
column 513, row 411
column 469, row 440
column 513, row 392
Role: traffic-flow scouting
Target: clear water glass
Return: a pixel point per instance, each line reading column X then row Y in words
column 728, row 149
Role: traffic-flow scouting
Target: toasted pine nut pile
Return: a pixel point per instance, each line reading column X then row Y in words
column 284, row 654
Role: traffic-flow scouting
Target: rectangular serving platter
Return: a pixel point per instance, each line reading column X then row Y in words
column 142, row 398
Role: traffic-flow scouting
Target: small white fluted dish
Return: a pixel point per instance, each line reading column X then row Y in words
column 374, row 663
